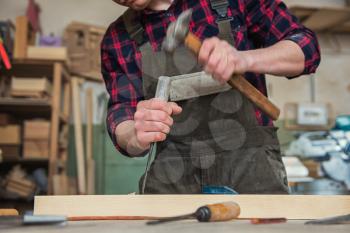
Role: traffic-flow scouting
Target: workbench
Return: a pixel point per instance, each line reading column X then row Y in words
column 241, row 226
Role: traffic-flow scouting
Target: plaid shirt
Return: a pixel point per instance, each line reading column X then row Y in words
column 256, row 24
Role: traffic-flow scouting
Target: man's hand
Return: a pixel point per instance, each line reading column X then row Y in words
column 153, row 121
column 221, row 60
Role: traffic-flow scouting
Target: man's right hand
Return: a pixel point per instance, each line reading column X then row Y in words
column 153, row 121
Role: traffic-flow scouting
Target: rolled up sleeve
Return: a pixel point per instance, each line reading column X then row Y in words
column 270, row 22
column 123, row 93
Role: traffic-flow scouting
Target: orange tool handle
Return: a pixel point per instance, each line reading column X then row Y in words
column 224, row 211
column 240, row 83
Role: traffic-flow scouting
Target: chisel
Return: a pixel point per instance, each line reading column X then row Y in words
column 220, row 212
column 162, row 93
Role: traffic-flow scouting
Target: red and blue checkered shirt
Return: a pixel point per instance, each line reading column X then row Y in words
column 256, row 24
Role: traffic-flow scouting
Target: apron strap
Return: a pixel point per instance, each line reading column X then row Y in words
column 133, row 26
column 220, row 7
column 223, row 20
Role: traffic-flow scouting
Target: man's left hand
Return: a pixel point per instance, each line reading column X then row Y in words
column 222, row 60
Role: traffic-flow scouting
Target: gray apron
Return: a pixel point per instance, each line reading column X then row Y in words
column 215, row 141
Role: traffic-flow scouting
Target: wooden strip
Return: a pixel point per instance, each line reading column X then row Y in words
column 79, row 149
column 252, row 206
column 89, row 143
column 55, row 121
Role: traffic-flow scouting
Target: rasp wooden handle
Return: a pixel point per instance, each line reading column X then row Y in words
column 240, row 83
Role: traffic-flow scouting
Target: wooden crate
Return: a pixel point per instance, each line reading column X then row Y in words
column 83, row 43
column 36, row 130
column 36, row 148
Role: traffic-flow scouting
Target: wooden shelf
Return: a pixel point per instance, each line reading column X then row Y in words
column 41, row 107
column 57, row 108
column 25, row 161
column 35, row 68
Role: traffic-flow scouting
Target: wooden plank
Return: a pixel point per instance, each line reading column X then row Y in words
column 21, row 37
column 252, row 206
column 89, row 142
column 55, row 121
column 79, row 149
column 47, row 53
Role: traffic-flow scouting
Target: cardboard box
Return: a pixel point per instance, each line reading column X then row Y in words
column 30, row 87
column 36, row 149
column 37, row 130
column 10, row 134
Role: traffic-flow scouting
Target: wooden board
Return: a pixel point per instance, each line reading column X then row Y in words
column 21, row 37
column 78, row 133
column 47, row 53
column 89, row 142
column 252, row 206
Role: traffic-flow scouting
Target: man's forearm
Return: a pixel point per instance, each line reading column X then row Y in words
column 126, row 138
column 285, row 58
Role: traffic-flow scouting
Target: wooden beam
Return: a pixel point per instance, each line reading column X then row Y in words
column 79, row 148
column 55, row 122
column 252, row 206
column 89, row 142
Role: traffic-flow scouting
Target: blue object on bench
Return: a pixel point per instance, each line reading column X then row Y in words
column 218, row 190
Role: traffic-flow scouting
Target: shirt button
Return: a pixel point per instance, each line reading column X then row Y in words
column 169, row 14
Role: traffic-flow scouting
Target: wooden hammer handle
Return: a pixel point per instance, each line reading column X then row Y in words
column 240, row 83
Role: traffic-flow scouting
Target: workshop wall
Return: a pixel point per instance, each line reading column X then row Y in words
column 332, row 78
column 56, row 15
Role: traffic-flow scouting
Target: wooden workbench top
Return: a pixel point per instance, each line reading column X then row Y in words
column 241, row 226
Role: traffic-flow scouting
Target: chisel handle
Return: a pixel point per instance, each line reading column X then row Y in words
column 240, row 83
column 220, row 212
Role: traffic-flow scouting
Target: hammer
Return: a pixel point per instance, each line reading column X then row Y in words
column 178, row 33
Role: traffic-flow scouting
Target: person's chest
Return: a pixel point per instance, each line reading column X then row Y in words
column 203, row 24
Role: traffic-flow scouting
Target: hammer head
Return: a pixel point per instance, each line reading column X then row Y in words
column 177, row 31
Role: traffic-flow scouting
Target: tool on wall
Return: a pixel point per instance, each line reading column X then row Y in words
column 178, row 33
column 220, row 212
column 3, row 55
column 162, row 93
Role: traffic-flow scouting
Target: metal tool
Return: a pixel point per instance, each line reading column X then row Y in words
column 27, row 220
column 343, row 219
column 178, row 33
column 209, row 213
column 162, row 93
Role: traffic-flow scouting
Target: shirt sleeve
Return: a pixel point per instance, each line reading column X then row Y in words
column 269, row 21
column 123, row 94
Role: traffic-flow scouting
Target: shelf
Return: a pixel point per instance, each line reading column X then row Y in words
column 25, row 105
column 25, row 161
column 34, row 68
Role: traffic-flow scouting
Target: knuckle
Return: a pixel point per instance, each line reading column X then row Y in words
column 138, row 115
column 163, row 116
